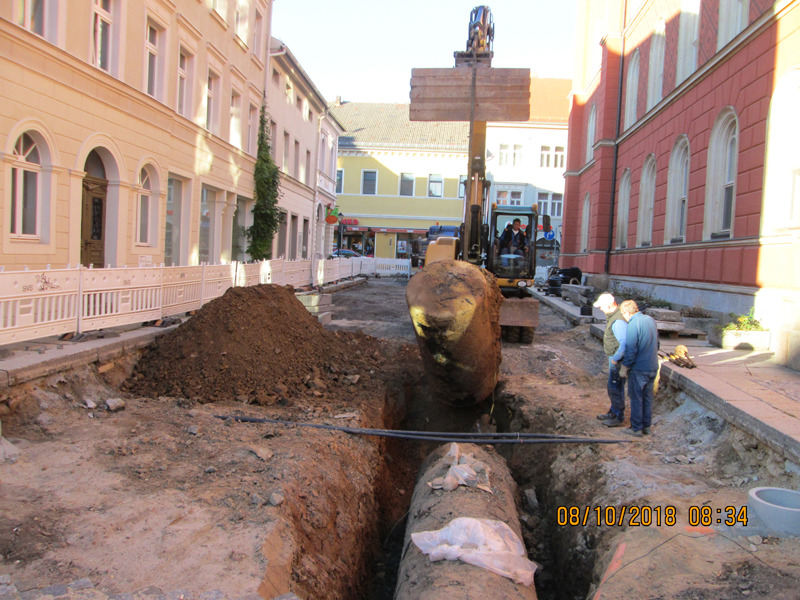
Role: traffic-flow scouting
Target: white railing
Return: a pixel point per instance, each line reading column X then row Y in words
column 36, row 304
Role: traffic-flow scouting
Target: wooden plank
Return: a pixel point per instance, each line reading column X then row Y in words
column 445, row 94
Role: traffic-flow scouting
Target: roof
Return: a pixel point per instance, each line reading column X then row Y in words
column 370, row 125
column 550, row 100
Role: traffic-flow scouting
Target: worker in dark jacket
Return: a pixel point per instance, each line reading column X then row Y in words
column 641, row 362
column 614, row 341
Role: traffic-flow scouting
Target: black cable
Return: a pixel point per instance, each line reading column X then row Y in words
column 464, row 438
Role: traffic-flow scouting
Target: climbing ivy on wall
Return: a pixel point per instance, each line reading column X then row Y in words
column 267, row 188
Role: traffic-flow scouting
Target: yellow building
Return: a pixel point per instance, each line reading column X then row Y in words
column 395, row 178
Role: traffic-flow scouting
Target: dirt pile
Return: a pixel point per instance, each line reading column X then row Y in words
column 255, row 345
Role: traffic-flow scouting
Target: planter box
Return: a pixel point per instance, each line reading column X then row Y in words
column 740, row 340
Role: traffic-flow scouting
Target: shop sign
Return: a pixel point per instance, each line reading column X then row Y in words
column 332, row 215
column 350, row 221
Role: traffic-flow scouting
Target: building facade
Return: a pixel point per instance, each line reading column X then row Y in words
column 396, row 178
column 304, row 142
column 681, row 179
column 128, row 133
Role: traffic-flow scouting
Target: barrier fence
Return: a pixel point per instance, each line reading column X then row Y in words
column 36, row 304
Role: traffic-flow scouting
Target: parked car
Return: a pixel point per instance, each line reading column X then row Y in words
column 344, row 253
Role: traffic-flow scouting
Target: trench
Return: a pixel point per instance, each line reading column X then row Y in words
column 566, row 555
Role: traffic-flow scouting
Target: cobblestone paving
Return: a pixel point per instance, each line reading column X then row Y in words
column 83, row 589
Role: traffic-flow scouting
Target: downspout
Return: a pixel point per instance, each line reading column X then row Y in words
column 617, row 132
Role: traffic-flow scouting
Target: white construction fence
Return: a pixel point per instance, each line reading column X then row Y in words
column 36, row 304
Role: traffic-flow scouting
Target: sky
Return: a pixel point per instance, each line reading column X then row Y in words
column 364, row 50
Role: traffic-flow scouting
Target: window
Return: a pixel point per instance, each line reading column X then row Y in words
column 208, row 198
column 721, row 177
column 339, row 180
column 185, row 79
column 687, row 40
column 289, row 91
column 286, row 152
column 677, row 192
column 503, row 161
column 25, row 188
column 323, row 147
column 435, row 186
column 296, row 171
column 623, row 209
column 369, row 183
column 212, row 110
column 406, row 184
column 240, row 19
column 647, row 194
column 305, row 175
column 144, row 208
column 544, row 156
column 733, row 18
column 558, row 157
column 590, row 132
column 153, row 42
column 632, row 90
column 462, row 186
column 556, row 204
column 172, row 231
column 40, row 17
column 253, row 123
column 517, row 158
column 543, row 203
column 655, row 71
column 258, row 36
column 273, row 140
column 587, row 207
column 502, row 197
column 236, row 119
column 516, row 199
column 102, row 45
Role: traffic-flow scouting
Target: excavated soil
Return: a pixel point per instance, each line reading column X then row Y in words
column 257, row 345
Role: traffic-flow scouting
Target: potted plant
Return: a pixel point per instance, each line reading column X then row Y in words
column 744, row 332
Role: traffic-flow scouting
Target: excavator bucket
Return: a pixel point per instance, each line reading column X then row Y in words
column 519, row 312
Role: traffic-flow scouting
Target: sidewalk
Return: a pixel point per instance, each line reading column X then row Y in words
column 744, row 387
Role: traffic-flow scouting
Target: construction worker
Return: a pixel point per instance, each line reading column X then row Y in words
column 641, row 358
column 614, row 340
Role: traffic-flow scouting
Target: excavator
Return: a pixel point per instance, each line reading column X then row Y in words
column 470, row 292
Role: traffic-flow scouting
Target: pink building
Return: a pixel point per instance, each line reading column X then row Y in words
column 682, row 176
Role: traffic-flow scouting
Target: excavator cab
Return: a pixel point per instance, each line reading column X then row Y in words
column 511, row 258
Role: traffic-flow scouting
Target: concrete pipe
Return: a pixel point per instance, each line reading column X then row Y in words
column 434, row 509
column 455, row 308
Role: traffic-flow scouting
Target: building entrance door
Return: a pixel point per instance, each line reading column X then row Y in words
column 93, row 222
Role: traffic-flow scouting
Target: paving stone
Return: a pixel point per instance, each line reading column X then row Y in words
column 55, row 590
column 10, row 595
column 31, row 595
column 81, row 584
column 212, row 595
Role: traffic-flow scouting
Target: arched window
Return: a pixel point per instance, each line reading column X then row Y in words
column 733, row 18
column 687, row 40
column 623, row 209
column 655, row 71
column 585, row 223
column 781, row 208
column 591, row 133
column 647, row 195
column 632, row 89
column 26, row 196
column 677, row 192
column 723, row 153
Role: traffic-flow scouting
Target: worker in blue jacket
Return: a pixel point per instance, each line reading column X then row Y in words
column 641, row 362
